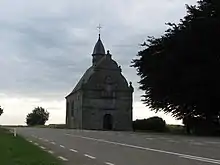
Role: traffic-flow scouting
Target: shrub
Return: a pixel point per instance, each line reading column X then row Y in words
column 152, row 124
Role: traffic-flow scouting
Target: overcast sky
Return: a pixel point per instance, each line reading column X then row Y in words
column 46, row 45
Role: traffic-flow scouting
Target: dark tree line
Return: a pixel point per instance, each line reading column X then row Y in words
column 155, row 123
column 180, row 70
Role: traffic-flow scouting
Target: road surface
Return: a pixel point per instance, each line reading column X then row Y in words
column 84, row 147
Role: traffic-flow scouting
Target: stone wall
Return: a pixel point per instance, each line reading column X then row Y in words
column 74, row 116
column 94, row 109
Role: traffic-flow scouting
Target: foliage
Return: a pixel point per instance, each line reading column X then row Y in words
column 1, row 110
column 200, row 126
column 152, row 124
column 180, row 70
column 39, row 116
column 176, row 129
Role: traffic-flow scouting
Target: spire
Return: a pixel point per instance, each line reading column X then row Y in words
column 99, row 50
column 99, row 47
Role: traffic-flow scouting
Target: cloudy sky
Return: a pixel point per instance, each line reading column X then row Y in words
column 46, row 45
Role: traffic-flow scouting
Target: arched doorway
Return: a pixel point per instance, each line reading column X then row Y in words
column 107, row 122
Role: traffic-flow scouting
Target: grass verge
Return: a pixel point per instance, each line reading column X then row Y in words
column 18, row 151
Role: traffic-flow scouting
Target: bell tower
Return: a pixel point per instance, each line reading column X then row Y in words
column 99, row 50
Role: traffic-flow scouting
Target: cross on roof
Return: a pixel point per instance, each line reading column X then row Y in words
column 99, row 27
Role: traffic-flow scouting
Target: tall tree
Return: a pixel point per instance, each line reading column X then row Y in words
column 180, row 70
column 1, row 110
column 38, row 116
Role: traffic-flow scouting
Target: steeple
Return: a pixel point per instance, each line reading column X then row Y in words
column 99, row 48
column 98, row 51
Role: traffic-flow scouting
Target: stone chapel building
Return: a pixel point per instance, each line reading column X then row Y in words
column 102, row 99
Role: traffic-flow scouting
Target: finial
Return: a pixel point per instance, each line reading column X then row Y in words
column 131, row 87
column 119, row 68
column 99, row 27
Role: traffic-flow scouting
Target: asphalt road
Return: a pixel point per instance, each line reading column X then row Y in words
column 83, row 147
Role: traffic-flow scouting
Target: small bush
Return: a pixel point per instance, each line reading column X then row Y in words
column 176, row 129
column 60, row 126
column 151, row 124
column 1, row 111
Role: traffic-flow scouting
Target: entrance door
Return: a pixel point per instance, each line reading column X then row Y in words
column 107, row 122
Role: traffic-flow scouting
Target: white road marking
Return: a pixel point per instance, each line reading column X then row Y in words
column 109, row 163
column 51, row 152
column 62, row 158
column 42, row 147
column 46, row 140
column 40, row 138
column 73, row 150
column 62, row 146
column 36, row 144
column 212, row 142
column 196, row 143
column 203, row 159
column 149, row 138
column 53, row 143
column 89, row 156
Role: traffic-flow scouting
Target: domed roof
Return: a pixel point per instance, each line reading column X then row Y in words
column 107, row 63
column 84, row 79
column 99, row 47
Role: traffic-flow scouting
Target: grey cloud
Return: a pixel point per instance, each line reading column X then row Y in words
column 46, row 46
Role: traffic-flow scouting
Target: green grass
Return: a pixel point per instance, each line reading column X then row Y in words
column 18, row 151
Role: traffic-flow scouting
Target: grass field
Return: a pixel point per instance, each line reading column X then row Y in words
column 18, row 151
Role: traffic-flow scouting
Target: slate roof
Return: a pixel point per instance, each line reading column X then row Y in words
column 99, row 47
column 84, row 79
